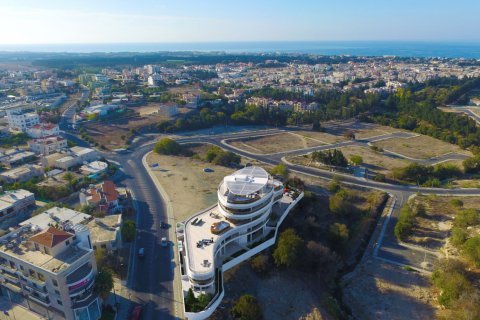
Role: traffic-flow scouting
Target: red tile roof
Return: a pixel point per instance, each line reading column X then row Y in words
column 51, row 237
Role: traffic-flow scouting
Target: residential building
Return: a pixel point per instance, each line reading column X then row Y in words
column 21, row 174
column 104, row 195
column 168, row 109
column 94, row 168
column 15, row 202
column 73, row 157
column 99, row 110
column 20, row 120
column 48, row 145
column 105, row 232
column 42, row 130
column 15, row 157
column 251, row 207
column 48, row 265
column 154, row 79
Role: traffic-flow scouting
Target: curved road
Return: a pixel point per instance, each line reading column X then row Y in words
column 151, row 280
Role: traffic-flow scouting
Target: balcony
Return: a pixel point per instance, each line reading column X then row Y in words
column 43, row 301
column 10, row 277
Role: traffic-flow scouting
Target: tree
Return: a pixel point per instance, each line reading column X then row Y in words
column 190, row 300
column 472, row 165
column 458, row 236
column 168, row 146
column 70, row 178
column 129, row 230
column 280, row 170
column 247, row 308
column 103, row 283
column 356, row 159
column 260, row 263
column 466, row 218
column 405, row 223
column 339, row 233
column 341, row 202
column 450, row 277
column 288, row 249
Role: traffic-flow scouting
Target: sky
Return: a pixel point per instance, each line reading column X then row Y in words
column 140, row 21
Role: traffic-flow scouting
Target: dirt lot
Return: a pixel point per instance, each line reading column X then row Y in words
column 71, row 99
column 323, row 137
column 376, row 290
column 373, row 161
column 433, row 228
column 298, row 296
column 275, row 143
column 421, row 147
column 362, row 130
column 111, row 135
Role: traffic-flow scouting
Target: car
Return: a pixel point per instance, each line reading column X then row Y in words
column 164, row 242
column 141, row 253
column 136, row 313
column 208, row 170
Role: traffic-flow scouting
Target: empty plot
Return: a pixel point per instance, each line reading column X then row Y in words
column 321, row 137
column 274, row 143
column 374, row 161
column 421, row 147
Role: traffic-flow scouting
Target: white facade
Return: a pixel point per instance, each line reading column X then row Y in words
column 21, row 121
column 51, row 270
column 48, row 145
column 251, row 206
column 14, row 202
column 42, row 130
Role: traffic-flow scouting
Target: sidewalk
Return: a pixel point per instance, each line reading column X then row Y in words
column 120, row 297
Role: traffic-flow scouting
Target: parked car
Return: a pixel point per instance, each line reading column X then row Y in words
column 164, row 242
column 208, row 170
column 136, row 313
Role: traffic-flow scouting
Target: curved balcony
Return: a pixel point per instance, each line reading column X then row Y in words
column 80, row 280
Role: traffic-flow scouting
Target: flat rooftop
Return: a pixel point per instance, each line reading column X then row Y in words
column 104, row 229
column 10, row 198
column 201, row 231
column 57, row 215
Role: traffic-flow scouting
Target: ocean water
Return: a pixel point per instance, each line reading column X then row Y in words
column 356, row 48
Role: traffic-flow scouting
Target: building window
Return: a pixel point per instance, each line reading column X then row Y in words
column 60, row 302
column 41, row 277
column 55, row 283
column 67, row 242
column 57, row 292
column 12, row 264
column 32, row 273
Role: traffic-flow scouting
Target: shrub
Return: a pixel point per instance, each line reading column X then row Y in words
column 356, row 159
column 466, row 218
column 168, row 146
column 247, row 308
column 405, row 223
column 340, row 203
column 456, row 203
column 280, row 170
column 129, row 231
column 288, row 249
column 450, row 278
column 458, row 236
column 339, row 233
column 260, row 263
column 471, row 249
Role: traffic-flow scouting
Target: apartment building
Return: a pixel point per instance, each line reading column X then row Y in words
column 251, row 207
column 20, row 119
column 47, row 264
column 42, row 130
column 15, row 202
column 14, row 157
column 47, row 145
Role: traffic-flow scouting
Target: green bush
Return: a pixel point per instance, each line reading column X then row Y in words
column 466, row 218
column 247, row 308
column 458, row 236
column 288, row 250
column 129, row 230
column 405, row 223
column 450, row 278
column 456, row 203
column 168, row 146
column 471, row 249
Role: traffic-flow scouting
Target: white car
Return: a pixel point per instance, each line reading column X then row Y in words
column 164, row 242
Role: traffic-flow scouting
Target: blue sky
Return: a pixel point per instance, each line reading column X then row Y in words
column 100, row 21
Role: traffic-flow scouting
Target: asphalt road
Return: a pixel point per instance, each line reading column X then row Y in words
column 151, row 279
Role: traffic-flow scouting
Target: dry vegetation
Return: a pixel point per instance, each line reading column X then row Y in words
column 275, row 143
column 421, row 147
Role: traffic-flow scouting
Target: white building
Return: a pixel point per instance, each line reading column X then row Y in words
column 100, row 109
column 20, row 120
column 15, row 202
column 251, row 206
column 75, row 156
column 42, row 130
column 154, row 79
column 47, row 145
column 47, row 265
column 21, row 174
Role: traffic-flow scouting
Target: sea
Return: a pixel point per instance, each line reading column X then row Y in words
column 468, row 50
